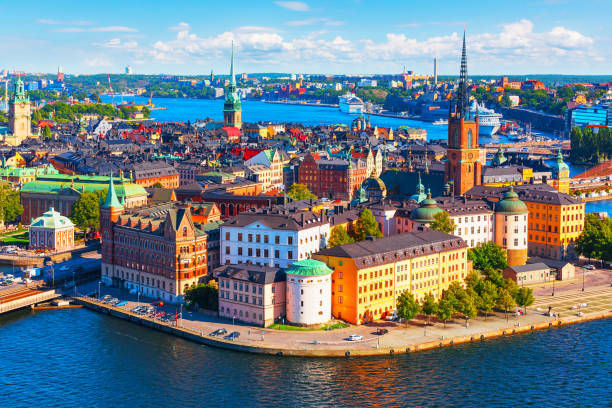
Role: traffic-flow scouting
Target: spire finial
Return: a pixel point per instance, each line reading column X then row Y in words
column 232, row 77
column 462, row 95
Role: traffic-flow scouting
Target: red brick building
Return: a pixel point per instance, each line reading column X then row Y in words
column 335, row 178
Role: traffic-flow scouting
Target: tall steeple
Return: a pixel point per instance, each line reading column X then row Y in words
column 233, row 78
column 232, row 108
column 111, row 197
column 462, row 94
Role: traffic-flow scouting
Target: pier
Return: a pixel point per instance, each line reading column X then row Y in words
column 21, row 296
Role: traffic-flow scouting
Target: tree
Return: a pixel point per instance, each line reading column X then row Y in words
column 444, row 310
column 487, row 298
column 407, row 306
column 204, row 295
column 46, row 132
column 158, row 185
column 505, row 301
column 86, row 211
column 366, row 226
column 524, row 298
column 595, row 242
column 339, row 236
column 488, row 256
column 429, row 306
column 10, row 208
column 443, row 223
column 299, row 192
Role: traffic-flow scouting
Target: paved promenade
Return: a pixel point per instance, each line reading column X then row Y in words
column 400, row 337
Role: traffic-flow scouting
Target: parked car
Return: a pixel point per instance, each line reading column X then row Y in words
column 232, row 336
column 355, row 337
column 380, row 332
column 589, row 267
column 391, row 316
column 218, row 332
column 159, row 303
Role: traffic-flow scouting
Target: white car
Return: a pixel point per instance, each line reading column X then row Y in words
column 355, row 337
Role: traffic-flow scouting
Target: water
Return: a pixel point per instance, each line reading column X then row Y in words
column 77, row 357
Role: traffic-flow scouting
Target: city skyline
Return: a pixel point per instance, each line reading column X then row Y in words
column 351, row 36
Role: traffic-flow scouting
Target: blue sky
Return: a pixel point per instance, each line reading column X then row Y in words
column 313, row 36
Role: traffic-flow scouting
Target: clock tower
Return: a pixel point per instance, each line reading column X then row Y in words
column 463, row 167
column 232, row 108
column 19, row 115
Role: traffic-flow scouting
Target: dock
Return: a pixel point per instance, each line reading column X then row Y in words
column 21, row 296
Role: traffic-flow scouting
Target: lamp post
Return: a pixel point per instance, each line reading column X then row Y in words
column 138, row 297
column 554, row 276
column 99, row 294
column 583, row 270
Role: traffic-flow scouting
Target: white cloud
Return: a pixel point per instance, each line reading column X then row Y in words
column 311, row 21
column 117, row 43
column 182, row 26
column 97, row 62
column 59, row 22
column 293, row 5
column 108, row 29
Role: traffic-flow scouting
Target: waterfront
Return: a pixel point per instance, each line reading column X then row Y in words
column 78, row 357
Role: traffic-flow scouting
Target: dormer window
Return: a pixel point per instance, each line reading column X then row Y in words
column 184, row 231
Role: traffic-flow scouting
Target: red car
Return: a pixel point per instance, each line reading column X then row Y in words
column 158, row 303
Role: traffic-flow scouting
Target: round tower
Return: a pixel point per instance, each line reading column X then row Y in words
column 308, row 292
column 511, row 219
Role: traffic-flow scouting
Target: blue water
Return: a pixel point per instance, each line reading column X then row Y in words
column 69, row 358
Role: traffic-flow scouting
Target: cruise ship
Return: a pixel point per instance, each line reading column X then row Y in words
column 488, row 119
column 350, row 103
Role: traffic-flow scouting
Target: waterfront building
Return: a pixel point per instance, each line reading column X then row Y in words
column 585, row 115
column 463, row 165
column 51, row 231
column 370, row 275
column 19, row 116
column 232, row 108
column 251, row 293
column 332, row 178
column 273, row 237
column 60, row 191
column 156, row 250
column 511, row 220
column 308, row 289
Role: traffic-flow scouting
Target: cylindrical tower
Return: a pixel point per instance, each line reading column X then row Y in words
column 308, row 292
column 511, row 220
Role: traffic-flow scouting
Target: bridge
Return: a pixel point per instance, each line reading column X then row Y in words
column 19, row 296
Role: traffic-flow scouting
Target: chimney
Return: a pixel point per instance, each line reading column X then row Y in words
column 302, row 219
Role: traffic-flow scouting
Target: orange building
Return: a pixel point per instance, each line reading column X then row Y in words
column 370, row 275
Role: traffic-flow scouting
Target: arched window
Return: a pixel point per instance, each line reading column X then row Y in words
column 457, row 137
column 184, row 231
column 470, row 139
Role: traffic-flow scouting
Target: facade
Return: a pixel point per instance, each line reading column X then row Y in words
column 370, row 275
column 463, row 166
column 474, row 219
column 19, row 115
column 60, row 191
column 18, row 176
column 335, row 178
column 511, row 220
column 273, row 237
column 158, row 250
column 584, row 115
column 560, row 174
column 52, row 232
column 150, row 173
column 232, row 108
column 251, row 293
column 309, row 292
column 267, row 165
column 530, row 273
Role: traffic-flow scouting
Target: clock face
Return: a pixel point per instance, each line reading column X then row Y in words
column 470, row 155
column 22, row 104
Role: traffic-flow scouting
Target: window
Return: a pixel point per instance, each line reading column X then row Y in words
column 290, row 240
column 265, row 239
column 277, row 239
column 470, row 139
column 240, row 251
column 289, row 254
column 276, row 253
column 227, row 250
column 250, row 237
column 227, row 236
column 340, row 299
column 239, row 236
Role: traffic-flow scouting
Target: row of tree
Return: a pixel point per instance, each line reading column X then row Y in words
column 65, row 113
column 589, row 146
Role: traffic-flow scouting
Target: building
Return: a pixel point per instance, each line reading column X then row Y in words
column 332, row 178
column 308, row 291
column 563, row 270
column 463, row 166
column 232, row 108
column 19, row 116
column 18, row 176
column 511, row 220
column 151, row 173
column 266, row 167
column 156, row 250
column 273, row 237
column 370, row 275
column 529, row 273
column 585, row 115
column 251, row 293
column 60, row 191
column 560, row 174
column 51, row 231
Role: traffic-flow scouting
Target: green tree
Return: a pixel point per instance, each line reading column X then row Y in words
column 46, row 132
column 407, row 306
column 429, row 306
column 443, row 223
column 488, row 256
column 487, row 298
column 204, row 295
column 10, row 207
column 299, row 192
column 158, row 185
column 339, row 236
column 595, row 242
column 524, row 298
column 366, row 226
column 444, row 310
column 86, row 211
column 505, row 301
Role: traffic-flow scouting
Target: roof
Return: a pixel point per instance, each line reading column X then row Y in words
column 531, row 267
column 309, row 267
column 257, row 274
column 52, row 219
column 396, row 247
column 278, row 220
column 57, row 183
column 510, row 204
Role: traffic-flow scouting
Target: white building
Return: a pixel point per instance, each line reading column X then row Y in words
column 474, row 219
column 273, row 237
column 51, row 231
column 368, row 82
column 308, row 292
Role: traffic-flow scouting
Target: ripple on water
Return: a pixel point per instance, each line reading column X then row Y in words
column 76, row 357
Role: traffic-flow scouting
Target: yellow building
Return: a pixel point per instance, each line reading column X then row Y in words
column 560, row 175
column 370, row 275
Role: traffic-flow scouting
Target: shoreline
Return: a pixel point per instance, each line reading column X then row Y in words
column 317, row 350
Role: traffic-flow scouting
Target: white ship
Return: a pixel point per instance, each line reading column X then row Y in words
column 350, row 103
column 488, row 119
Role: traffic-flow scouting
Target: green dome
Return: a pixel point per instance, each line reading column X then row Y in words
column 420, row 195
column 309, row 267
column 427, row 210
column 510, row 204
column 499, row 158
column 559, row 166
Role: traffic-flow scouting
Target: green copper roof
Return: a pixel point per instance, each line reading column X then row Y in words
column 269, row 154
column 499, row 158
column 427, row 210
column 510, row 204
column 420, row 195
column 56, row 183
column 52, row 219
column 111, row 195
column 559, row 166
column 232, row 100
column 309, row 267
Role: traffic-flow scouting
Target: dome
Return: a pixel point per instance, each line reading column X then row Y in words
column 420, row 195
column 559, row 165
column 427, row 210
column 499, row 158
column 374, row 185
column 510, row 204
column 51, row 219
column 309, row 267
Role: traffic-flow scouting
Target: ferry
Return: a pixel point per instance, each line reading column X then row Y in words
column 349, row 103
column 441, row 122
column 488, row 120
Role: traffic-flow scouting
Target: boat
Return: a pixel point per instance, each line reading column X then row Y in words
column 349, row 103
column 488, row 120
column 441, row 122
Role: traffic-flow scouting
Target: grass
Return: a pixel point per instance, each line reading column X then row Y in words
column 276, row 326
column 16, row 232
column 16, row 239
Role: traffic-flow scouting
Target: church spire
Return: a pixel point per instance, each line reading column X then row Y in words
column 111, row 197
column 462, row 94
column 233, row 78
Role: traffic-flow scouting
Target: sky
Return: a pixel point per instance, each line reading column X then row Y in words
column 312, row 36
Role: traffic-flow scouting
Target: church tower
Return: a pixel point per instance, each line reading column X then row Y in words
column 109, row 214
column 19, row 114
column 232, row 108
column 463, row 167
